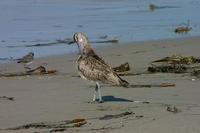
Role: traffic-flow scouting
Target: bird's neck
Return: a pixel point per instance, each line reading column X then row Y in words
column 86, row 50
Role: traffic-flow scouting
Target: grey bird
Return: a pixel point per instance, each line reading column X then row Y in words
column 93, row 68
column 27, row 60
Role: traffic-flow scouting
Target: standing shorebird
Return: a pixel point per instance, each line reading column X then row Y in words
column 92, row 67
column 27, row 60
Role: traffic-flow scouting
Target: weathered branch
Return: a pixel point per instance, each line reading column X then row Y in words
column 41, row 70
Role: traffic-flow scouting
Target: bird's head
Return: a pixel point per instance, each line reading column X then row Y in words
column 81, row 40
column 31, row 53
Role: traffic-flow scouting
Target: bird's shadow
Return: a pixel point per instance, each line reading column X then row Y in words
column 111, row 98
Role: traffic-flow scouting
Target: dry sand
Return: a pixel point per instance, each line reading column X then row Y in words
column 65, row 96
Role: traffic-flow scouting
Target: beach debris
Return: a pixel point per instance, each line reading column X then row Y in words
column 41, row 70
column 7, row 98
column 153, row 7
column 112, row 108
column 79, row 124
column 167, row 69
column 122, row 68
column 177, row 59
column 108, row 117
column 175, row 64
column 196, row 73
column 153, row 85
column 173, row 109
column 183, row 29
column 54, row 126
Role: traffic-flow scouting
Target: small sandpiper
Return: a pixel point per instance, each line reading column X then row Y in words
column 27, row 60
column 93, row 68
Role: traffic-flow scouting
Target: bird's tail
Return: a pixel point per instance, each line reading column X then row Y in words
column 123, row 82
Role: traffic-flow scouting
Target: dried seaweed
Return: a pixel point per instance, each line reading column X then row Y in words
column 108, row 117
column 7, row 98
column 60, row 125
column 174, row 64
column 196, row 72
column 167, row 69
column 41, row 70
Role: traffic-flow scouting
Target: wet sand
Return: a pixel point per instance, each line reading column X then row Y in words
column 65, row 96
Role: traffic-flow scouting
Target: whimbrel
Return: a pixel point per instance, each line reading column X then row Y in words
column 27, row 60
column 92, row 67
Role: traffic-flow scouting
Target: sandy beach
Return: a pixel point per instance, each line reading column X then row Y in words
column 65, row 96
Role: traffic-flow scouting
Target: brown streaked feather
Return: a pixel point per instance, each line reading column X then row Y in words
column 92, row 67
column 95, row 69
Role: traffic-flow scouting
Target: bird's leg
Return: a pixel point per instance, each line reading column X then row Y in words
column 95, row 92
column 99, row 92
column 27, row 66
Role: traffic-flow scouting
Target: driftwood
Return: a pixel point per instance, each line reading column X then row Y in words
column 7, row 98
column 108, row 117
column 122, row 68
column 41, row 70
column 54, row 126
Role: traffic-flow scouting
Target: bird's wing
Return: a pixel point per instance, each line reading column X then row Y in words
column 93, row 68
column 26, row 58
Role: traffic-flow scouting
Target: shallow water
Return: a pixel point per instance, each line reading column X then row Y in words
column 28, row 22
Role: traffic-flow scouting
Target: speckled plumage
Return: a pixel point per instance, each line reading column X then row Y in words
column 92, row 67
column 27, row 60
